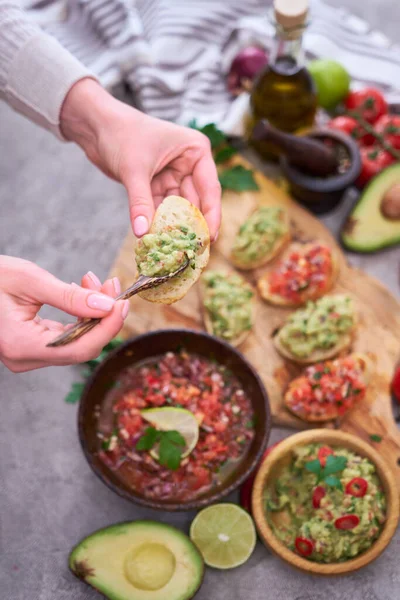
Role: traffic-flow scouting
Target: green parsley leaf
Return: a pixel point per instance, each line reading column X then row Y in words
column 170, row 454
column 333, row 482
column 334, row 464
column 224, row 154
column 76, row 392
column 215, row 135
column 148, row 439
column 374, row 437
column 174, row 437
column 238, row 179
column 314, row 466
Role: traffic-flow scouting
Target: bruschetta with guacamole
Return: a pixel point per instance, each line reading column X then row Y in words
column 318, row 331
column 261, row 237
column 229, row 306
column 178, row 232
column 307, row 272
column 327, row 390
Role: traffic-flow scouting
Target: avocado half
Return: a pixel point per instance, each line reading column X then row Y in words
column 139, row 560
column 366, row 229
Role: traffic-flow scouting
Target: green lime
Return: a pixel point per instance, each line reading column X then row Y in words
column 169, row 418
column 224, row 534
column 332, row 81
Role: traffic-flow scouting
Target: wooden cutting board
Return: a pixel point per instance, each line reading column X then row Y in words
column 378, row 333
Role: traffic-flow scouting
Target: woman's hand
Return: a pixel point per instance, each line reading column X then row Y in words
column 24, row 288
column 151, row 157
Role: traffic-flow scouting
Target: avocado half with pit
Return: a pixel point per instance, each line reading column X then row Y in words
column 374, row 223
column 139, row 560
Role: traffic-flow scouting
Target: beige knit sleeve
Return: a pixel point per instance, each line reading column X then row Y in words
column 36, row 72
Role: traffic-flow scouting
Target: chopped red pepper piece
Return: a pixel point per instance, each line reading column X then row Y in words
column 323, row 453
column 318, row 493
column 304, row 546
column 347, row 522
column 357, row 487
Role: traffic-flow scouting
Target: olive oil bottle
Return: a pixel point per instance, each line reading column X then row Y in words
column 284, row 92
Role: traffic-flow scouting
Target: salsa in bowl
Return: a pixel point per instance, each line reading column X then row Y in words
column 174, row 419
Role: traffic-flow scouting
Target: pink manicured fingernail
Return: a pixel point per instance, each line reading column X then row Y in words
column 94, row 278
column 100, row 301
column 125, row 309
column 117, row 285
column 140, row 226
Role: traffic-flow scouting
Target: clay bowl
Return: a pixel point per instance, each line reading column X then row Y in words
column 322, row 194
column 280, row 456
column 151, row 345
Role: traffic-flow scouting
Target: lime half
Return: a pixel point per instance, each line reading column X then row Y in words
column 224, row 534
column 169, row 418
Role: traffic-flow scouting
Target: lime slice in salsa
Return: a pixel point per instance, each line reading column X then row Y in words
column 224, row 534
column 169, row 418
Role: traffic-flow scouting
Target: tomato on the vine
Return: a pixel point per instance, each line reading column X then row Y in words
column 373, row 160
column 351, row 127
column 369, row 103
column 389, row 127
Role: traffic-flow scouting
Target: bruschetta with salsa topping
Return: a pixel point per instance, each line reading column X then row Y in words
column 307, row 272
column 327, row 390
column 318, row 331
column 261, row 237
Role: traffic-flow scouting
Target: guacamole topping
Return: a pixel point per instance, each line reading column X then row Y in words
column 162, row 253
column 227, row 300
column 259, row 233
column 318, row 326
column 334, row 502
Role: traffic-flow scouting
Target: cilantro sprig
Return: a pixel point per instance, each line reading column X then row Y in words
column 77, row 388
column 334, row 464
column 236, row 178
column 171, row 445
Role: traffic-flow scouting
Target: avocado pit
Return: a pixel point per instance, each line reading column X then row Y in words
column 140, row 566
column 390, row 205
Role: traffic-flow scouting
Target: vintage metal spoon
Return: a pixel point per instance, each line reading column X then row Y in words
column 142, row 283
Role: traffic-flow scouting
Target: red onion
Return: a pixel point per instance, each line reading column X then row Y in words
column 244, row 68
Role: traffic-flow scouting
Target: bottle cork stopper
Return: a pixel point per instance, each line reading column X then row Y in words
column 291, row 13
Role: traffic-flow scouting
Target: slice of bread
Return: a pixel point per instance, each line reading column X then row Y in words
column 307, row 294
column 364, row 365
column 272, row 252
column 172, row 212
column 208, row 321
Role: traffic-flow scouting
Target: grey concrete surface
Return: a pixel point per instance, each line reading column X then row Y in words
column 59, row 211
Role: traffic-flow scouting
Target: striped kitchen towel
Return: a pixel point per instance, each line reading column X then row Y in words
column 175, row 54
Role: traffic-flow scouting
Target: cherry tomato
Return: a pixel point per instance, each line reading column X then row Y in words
column 247, row 487
column 369, row 103
column 304, row 546
column 318, row 493
column 350, row 126
column 396, row 384
column 357, row 487
column 389, row 127
column 373, row 159
column 347, row 522
column 323, row 453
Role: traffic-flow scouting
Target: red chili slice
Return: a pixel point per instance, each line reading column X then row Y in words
column 347, row 522
column 318, row 493
column 357, row 487
column 323, row 453
column 304, row 546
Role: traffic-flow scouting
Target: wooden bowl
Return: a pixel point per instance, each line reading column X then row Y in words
column 151, row 345
column 280, row 456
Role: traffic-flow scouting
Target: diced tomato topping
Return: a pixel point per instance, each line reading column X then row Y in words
column 309, row 271
column 304, row 546
column 323, row 454
column 347, row 522
column 357, row 487
column 318, row 493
